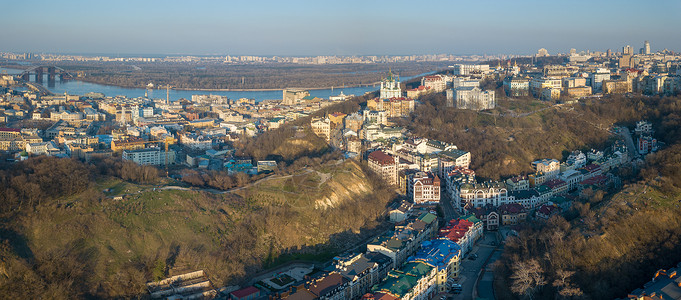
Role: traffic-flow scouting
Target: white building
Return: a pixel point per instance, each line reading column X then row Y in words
column 517, row 86
column 469, row 195
column 597, row 78
column 436, row 82
column 538, row 85
column 470, row 98
column 375, row 117
column 149, row 156
column 321, row 127
column 549, row 167
column 424, row 188
column 464, row 82
column 461, row 69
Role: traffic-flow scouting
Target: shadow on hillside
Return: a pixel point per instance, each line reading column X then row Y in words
column 18, row 243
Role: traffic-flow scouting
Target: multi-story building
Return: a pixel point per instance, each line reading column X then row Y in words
column 464, row 231
column 442, row 254
column 549, row 167
column 597, row 78
column 362, row 271
column 384, row 165
column 149, row 156
column 538, row 85
column 379, row 117
column 464, row 82
column 571, row 82
column 512, row 213
column 470, row 98
column 528, row 198
column 576, row 92
column 293, row 96
column 555, row 71
column 464, row 70
column 331, row 286
column 402, row 242
column 517, row 86
column 643, row 128
column 435, row 82
column 451, row 159
column 337, row 119
column 321, row 127
column 666, row 284
column 419, row 91
column 394, row 107
column 517, row 183
column 424, row 188
column 10, row 133
column 479, row 194
column 195, row 141
column 354, row 122
column 413, row 281
column 375, row 132
column 66, row 116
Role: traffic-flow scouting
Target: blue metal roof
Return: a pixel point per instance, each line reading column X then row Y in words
column 437, row 253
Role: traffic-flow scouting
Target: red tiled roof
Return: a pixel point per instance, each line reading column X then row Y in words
column 456, row 229
column 553, row 183
column 592, row 167
column 247, row 291
column 548, row 209
column 381, row 157
column 10, row 130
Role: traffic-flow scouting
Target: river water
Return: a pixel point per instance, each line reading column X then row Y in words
column 75, row 87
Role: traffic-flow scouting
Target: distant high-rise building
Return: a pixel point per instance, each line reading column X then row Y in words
column 542, row 52
column 646, row 48
column 293, row 96
column 573, row 51
column 627, row 50
column 608, row 53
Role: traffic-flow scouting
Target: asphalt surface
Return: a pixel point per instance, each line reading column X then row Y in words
column 470, row 269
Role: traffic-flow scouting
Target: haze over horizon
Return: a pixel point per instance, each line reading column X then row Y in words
column 301, row 28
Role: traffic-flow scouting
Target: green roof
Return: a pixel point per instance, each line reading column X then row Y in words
column 417, row 269
column 543, row 189
column 453, row 153
column 471, row 218
column 559, row 199
column 427, row 218
column 399, row 282
column 309, row 98
column 396, row 284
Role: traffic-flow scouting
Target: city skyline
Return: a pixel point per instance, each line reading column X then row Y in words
column 306, row 28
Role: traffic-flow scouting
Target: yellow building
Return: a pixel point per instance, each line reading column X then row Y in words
column 578, row 91
column 337, row 118
column 120, row 145
column 616, row 86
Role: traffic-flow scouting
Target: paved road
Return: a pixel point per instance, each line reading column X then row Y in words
column 485, row 287
column 471, row 268
column 626, row 134
column 447, row 208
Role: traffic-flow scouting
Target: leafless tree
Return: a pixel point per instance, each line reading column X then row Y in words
column 527, row 278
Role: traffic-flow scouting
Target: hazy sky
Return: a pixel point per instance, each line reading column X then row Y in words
column 325, row 27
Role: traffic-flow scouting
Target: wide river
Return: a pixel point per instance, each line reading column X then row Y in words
column 76, row 87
